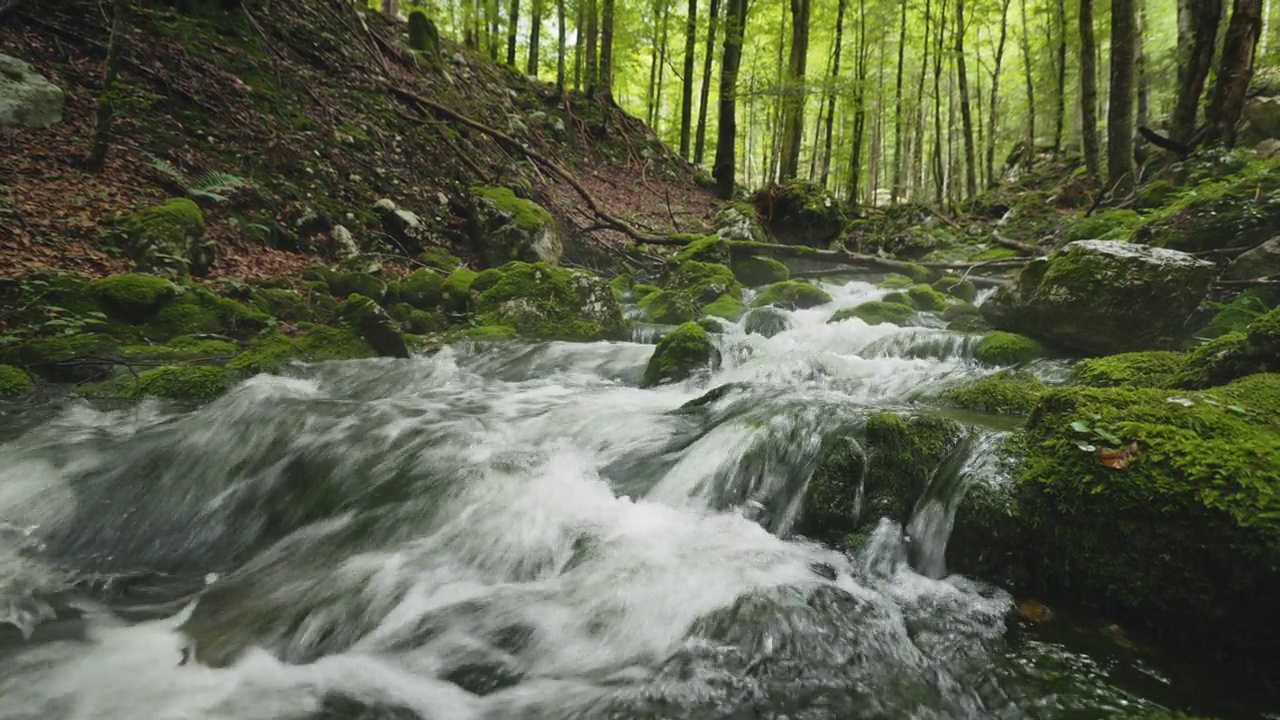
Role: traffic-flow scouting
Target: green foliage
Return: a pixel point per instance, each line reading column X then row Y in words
column 210, row 184
column 758, row 270
column 678, row 354
column 1149, row 369
column 1006, row 348
column 792, row 295
column 876, row 312
column 926, row 299
column 1008, row 392
column 14, row 382
column 1236, row 211
column 1115, row 224
column 1236, row 315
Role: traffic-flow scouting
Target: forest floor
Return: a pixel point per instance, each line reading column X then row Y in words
column 308, row 108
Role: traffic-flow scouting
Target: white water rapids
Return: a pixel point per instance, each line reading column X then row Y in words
column 504, row 531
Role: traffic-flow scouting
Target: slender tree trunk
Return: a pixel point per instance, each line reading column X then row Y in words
column 606, row 52
column 774, row 147
column 1144, row 90
column 650, row 104
column 1197, row 33
column 993, row 118
column 592, row 69
column 1236, row 69
column 513, row 24
column 859, row 105
column 705, row 91
column 561, row 36
column 111, row 73
column 1060, row 109
column 793, row 100
column 390, row 8
column 917, row 182
column 686, row 90
column 726, row 139
column 966, row 114
column 494, row 12
column 662, row 69
column 1031, row 87
column 535, row 35
column 899, row 149
column 1120, row 109
column 938, row 181
column 1089, row 93
column 831, row 91
column 579, row 27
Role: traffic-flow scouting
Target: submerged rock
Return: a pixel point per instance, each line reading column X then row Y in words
column 766, row 321
column 27, row 98
column 679, row 354
column 512, row 228
column 1102, row 297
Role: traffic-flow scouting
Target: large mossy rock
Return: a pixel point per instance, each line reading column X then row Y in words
column 542, row 301
column 691, row 288
column 875, row 312
column 739, row 222
column 802, row 213
column 168, row 239
column 511, row 228
column 792, row 295
column 27, row 98
column 1008, row 392
column 424, row 36
column 766, row 321
column 269, row 353
column 1181, row 535
column 374, row 325
column 133, row 296
column 758, row 270
column 14, row 382
column 679, row 354
column 1101, row 297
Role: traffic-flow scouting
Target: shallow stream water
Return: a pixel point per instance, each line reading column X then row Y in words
column 517, row 530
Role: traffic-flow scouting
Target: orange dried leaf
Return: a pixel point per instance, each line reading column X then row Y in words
column 1119, row 459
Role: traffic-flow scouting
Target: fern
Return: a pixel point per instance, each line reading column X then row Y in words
column 211, row 184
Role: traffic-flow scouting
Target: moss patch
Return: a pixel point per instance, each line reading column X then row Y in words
column 705, row 248
column 133, row 296
column 925, row 298
column 1006, row 348
column 792, row 295
column 13, row 382
column 758, row 270
column 1008, row 392
column 727, row 307
column 1152, row 369
column 542, row 301
column 195, row 383
column 318, row 343
column 679, row 354
column 876, row 312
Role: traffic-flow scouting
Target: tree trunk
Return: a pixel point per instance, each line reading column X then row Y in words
column 1060, row 109
column 593, row 29
column 535, row 34
column 686, row 90
column 106, row 99
column 859, row 105
column 661, row 56
column 993, row 121
column 513, row 24
column 705, row 91
column 917, row 182
column 390, row 8
column 1120, row 110
column 831, row 91
column 793, row 100
column 1236, row 69
column 1197, row 32
column 726, row 139
column 1031, row 87
column 494, row 12
column 899, row 150
column 966, row 114
column 1144, row 96
column 1089, row 93
column 606, row 52
column 577, row 44
column 941, row 28
column 561, row 36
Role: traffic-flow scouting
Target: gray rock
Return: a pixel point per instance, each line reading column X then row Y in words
column 1261, row 119
column 1104, row 297
column 735, row 225
column 1260, row 262
column 27, row 98
column 405, row 227
column 342, row 244
column 510, row 228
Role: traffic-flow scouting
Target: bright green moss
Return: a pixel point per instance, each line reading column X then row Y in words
column 1008, row 392
column 280, row 303
column 640, row 291
column 727, row 307
column 995, row 253
column 792, row 295
column 1264, row 334
column 199, row 311
column 902, row 454
column 957, row 288
column 547, row 302
column 13, row 382
column 759, row 270
column 195, row 383
column 926, row 299
column 422, row 322
column 1150, row 369
column 900, row 298
column 168, row 237
column 456, row 289
column 1115, row 224
column 896, row 282
column 679, row 354
column 183, row 348
column 490, row 332
column 440, row 259
column 133, row 296
column 667, row 307
column 876, row 312
column 42, row 355
column 318, row 343
column 423, row 289
column 358, row 283
column 526, row 214
column 1006, row 348
column 705, row 248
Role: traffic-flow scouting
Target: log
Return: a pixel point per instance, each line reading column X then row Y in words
column 858, row 261
column 1018, row 245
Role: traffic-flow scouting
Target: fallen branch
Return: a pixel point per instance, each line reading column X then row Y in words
column 854, row 260
column 1018, row 245
column 1256, row 282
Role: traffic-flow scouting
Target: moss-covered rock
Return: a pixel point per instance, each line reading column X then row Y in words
column 1239, row 210
column 705, row 248
column 14, row 382
column 423, row 289
column 195, row 383
column 766, row 321
column 688, row 288
column 358, row 283
column 52, row 358
column 957, row 287
column 739, row 222
column 270, row 353
column 876, row 312
column 1180, row 530
column 1149, row 369
column 511, row 228
column 168, row 239
column 183, row 348
column 679, row 354
column 196, row 311
column 802, row 213
column 896, row 281
column 640, row 291
column 667, row 307
column 424, row 37
column 133, row 296
column 759, row 270
column 1103, row 297
column 1115, row 224
column 440, row 259
column 898, row 297
column 319, row 302
column 1008, row 392
column 902, row 454
column 1006, row 348
column 726, row 306
column 925, row 298
column 792, row 295
column 281, row 304
column 374, row 325
column 830, row 508
column 546, row 302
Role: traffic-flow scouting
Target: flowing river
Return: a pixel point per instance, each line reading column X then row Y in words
column 518, row 530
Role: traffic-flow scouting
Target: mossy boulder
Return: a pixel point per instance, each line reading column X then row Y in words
column 271, row 352
column 1104, row 297
column 792, row 295
column 455, row 292
column 193, row 383
column 168, row 239
column 1008, row 392
column 896, row 281
column 667, row 307
column 542, row 301
column 423, row 289
column 679, row 354
column 1005, row 348
column 1148, row 369
column 957, row 287
column 53, row 358
column 739, row 222
column 688, row 288
column 898, row 297
column 1182, row 533
column 758, row 270
column 358, row 283
column 876, row 312
column 802, row 213
column 705, row 248
column 727, row 307
column 766, row 321
column 926, row 299
column 14, row 382
column 374, row 325
column 831, row 496
column 1239, row 210
column 424, row 37
column 1232, row 356
column 133, row 296
column 281, row 304
column 903, row 452
column 440, row 259
column 1115, row 224
column 511, row 228
column 198, row 310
